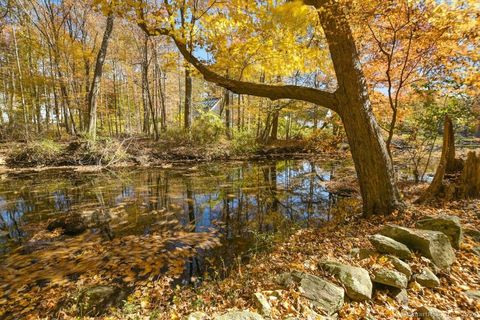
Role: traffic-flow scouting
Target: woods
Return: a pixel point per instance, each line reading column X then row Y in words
column 205, row 159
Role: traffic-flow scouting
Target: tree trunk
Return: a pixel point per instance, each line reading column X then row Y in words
column 188, row 99
column 160, row 76
column 147, row 101
column 453, row 179
column 372, row 162
column 274, row 132
column 20, row 81
column 97, row 76
column 226, row 102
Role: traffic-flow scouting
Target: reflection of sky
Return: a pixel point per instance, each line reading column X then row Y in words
column 61, row 201
column 11, row 216
column 128, row 192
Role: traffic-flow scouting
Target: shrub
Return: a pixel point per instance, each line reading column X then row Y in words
column 207, row 128
column 244, row 141
column 175, row 136
column 103, row 151
column 323, row 140
column 37, row 153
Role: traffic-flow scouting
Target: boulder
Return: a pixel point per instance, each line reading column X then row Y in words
column 400, row 295
column 239, row 315
column 427, row 279
column 96, row 300
column 391, row 278
column 356, row 281
column 321, row 293
column 389, row 246
column 197, row 316
column 432, row 244
column 262, row 304
column 71, row 225
column 429, row 313
column 449, row 225
column 400, row 265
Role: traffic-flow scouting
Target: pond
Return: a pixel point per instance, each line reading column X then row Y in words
column 241, row 207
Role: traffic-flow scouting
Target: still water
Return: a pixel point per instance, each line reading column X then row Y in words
column 243, row 204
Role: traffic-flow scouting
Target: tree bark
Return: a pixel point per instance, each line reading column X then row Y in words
column 187, row 121
column 274, row 132
column 372, row 161
column 149, row 111
column 453, row 179
column 226, row 102
column 97, row 76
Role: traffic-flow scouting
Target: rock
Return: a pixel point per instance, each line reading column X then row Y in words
column 400, row 265
column 321, row 293
column 429, row 313
column 400, row 295
column 432, row 244
column 197, row 316
column 390, row 278
column 449, row 225
column 72, row 225
column 427, row 279
column 355, row 280
column 286, row 280
column 473, row 294
column 96, row 300
column 262, row 304
column 473, row 233
column 362, row 253
column 239, row 315
column 388, row 245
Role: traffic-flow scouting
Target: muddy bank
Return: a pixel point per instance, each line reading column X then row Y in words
column 84, row 156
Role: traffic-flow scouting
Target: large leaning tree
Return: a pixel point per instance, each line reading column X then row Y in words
column 350, row 99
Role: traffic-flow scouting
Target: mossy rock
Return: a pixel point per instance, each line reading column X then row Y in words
column 97, row 300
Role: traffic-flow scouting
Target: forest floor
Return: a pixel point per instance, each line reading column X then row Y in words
column 335, row 240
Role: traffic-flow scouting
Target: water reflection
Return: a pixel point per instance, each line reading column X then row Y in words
column 241, row 201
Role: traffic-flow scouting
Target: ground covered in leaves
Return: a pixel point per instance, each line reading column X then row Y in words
column 335, row 240
column 158, row 297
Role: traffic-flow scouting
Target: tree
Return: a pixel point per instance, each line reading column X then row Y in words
column 97, row 76
column 409, row 43
column 350, row 100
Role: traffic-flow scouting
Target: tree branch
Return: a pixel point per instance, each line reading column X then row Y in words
column 274, row 92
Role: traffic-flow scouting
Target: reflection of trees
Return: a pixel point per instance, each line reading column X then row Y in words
column 235, row 199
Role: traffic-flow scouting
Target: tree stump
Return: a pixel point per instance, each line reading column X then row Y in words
column 455, row 178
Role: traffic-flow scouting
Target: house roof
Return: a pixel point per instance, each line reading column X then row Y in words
column 207, row 104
